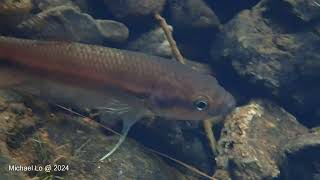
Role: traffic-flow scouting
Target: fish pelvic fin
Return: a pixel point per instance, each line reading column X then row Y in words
column 124, row 133
column 129, row 119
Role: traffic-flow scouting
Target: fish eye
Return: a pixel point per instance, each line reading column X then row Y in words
column 201, row 104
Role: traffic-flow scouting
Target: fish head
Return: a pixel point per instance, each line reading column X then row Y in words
column 193, row 97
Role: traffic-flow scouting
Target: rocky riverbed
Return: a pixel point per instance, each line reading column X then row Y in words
column 265, row 52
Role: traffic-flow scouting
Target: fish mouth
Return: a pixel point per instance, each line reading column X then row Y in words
column 227, row 105
column 230, row 103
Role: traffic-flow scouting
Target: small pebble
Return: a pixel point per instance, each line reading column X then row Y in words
column 18, row 108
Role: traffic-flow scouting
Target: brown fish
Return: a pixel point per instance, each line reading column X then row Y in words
column 163, row 87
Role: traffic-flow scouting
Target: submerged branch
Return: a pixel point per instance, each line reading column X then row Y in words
column 168, row 32
column 197, row 171
column 207, row 123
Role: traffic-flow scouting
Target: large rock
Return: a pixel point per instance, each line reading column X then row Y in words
column 192, row 14
column 41, row 5
column 112, row 31
column 153, row 42
column 180, row 139
column 192, row 21
column 12, row 13
column 227, row 9
column 301, row 158
column 274, row 55
column 68, row 23
column 306, row 11
column 252, row 140
column 11, row 7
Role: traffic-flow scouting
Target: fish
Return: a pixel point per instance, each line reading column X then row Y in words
column 145, row 85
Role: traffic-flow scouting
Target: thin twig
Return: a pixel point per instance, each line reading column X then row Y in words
column 88, row 119
column 182, row 164
column 207, row 123
column 81, row 147
column 174, row 49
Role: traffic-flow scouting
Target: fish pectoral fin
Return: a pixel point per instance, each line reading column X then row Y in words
column 128, row 119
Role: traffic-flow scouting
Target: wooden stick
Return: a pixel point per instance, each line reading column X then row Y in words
column 168, row 32
column 197, row 171
column 207, row 123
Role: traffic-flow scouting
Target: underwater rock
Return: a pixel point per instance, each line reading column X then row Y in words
column 12, row 13
column 15, row 128
column 273, row 57
column 113, row 31
column 68, row 23
column 18, row 108
column 3, row 105
column 182, row 140
column 227, row 9
column 304, row 10
column 301, row 158
column 153, row 42
column 84, row 5
column 26, row 139
column 48, row 4
column 192, row 14
column 5, row 162
column 84, row 146
column 252, row 139
column 12, row 7
column 193, row 21
column 134, row 8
